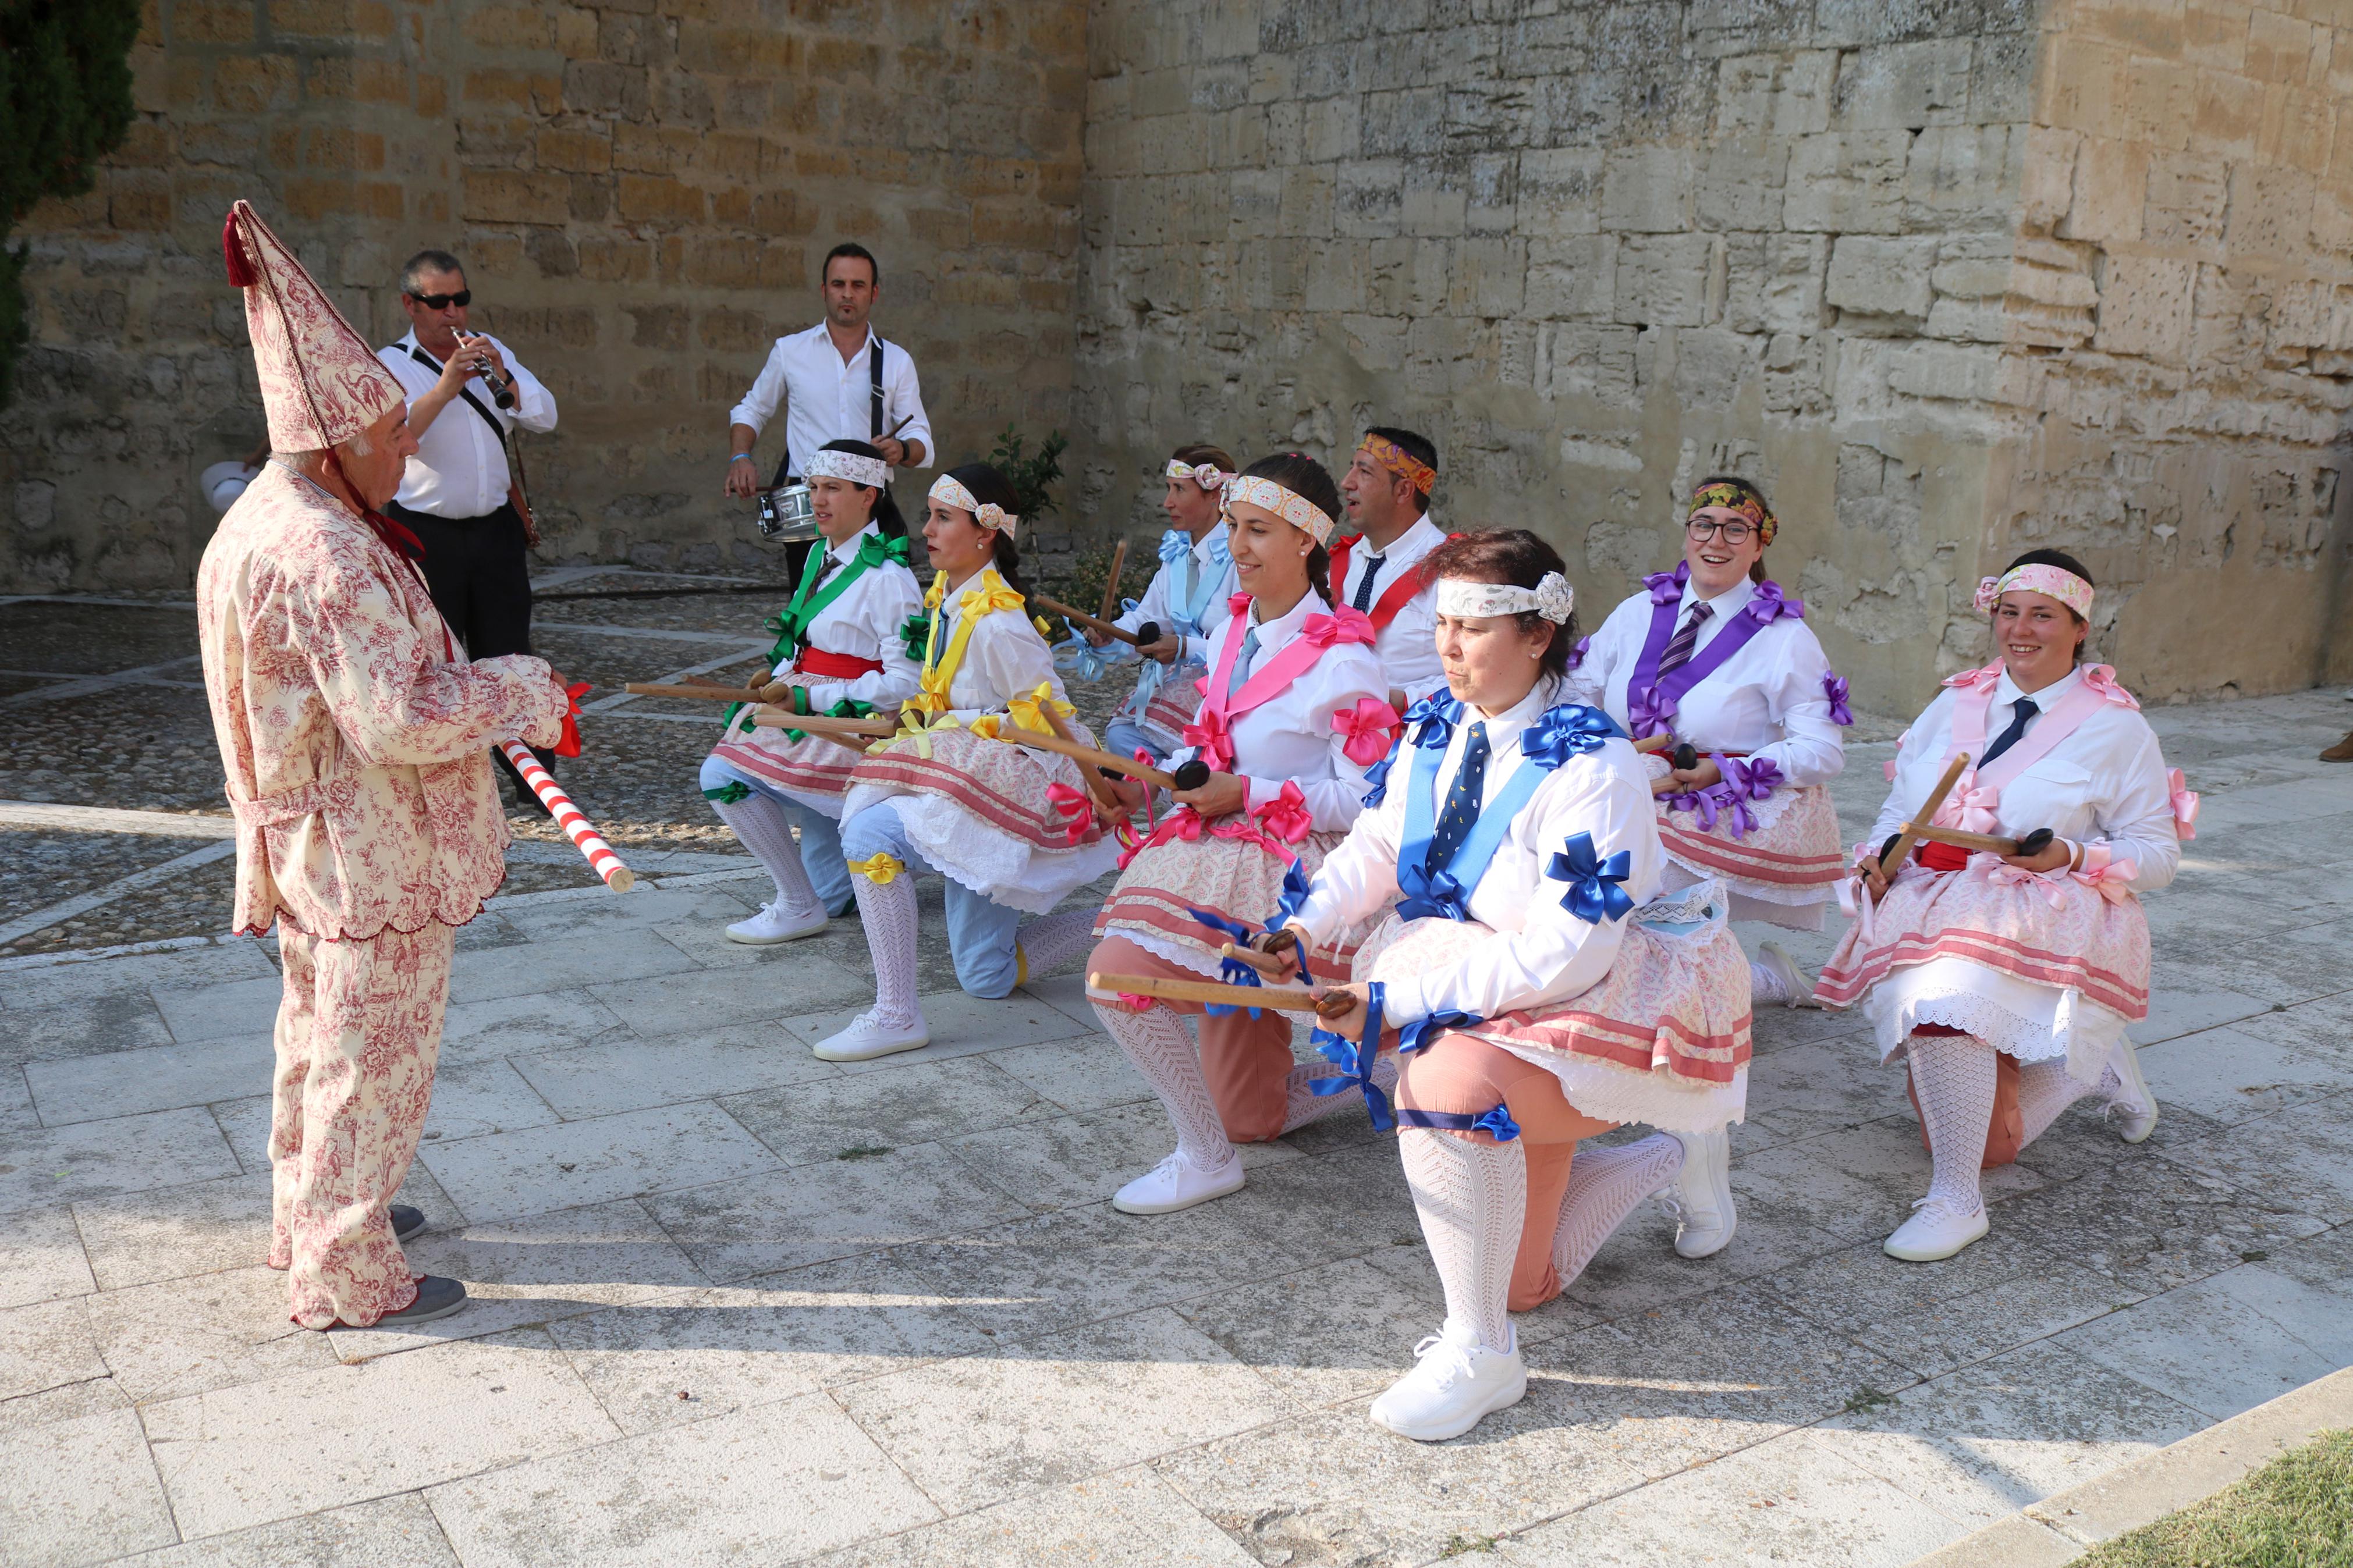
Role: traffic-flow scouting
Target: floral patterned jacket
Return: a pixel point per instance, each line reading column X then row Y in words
column 355, row 736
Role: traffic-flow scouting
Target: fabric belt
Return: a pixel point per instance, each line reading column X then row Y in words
column 294, row 805
column 834, row 666
column 1943, row 857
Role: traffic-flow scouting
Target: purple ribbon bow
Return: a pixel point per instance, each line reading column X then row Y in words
column 1649, row 711
column 1666, row 587
column 1768, row 605
column 1835, row 688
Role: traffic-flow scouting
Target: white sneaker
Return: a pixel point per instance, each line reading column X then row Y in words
column 1455, row 1381
column 1701, row 1198
column 773, row 924
column 2133, row 1108
column 1177, row 1182
column 1795, row 990
column 1936, row 1230
column 868, row 1038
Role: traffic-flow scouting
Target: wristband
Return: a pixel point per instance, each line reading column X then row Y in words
column 741, row 457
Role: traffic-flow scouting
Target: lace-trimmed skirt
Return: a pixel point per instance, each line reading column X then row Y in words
column 1662, row 1038
column 1235, row 878
column 979, row 810
column 2038, row 967
column 1784, row 870
column 813, row 771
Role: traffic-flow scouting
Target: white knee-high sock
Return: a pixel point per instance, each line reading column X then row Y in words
column 1050, row 939
column 1604, row 1185
column 1473, row 1199
column 1764, row 986
column 761, row 824
column 2044, row 1092
column 1305, row 1105
column 888, row 910
column 1156, row 1041
column 1954, row 1076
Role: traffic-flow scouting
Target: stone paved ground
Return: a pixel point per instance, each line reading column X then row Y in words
column 736, row 1304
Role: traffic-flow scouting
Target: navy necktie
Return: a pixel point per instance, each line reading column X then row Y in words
column 1679, row 649
column 1365, row 583
column 2025, row 709
column 1463, row 798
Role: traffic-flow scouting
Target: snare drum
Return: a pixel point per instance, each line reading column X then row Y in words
column 788, row 513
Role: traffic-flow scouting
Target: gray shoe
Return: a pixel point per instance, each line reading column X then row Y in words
column 406, row 1221
column 436, row 1297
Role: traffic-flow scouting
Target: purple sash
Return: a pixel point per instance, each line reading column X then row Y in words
column 1651, row 700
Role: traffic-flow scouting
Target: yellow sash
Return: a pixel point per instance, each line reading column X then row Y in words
column 940, row 666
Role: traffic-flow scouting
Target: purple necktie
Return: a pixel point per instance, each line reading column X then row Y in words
column 1679, row 649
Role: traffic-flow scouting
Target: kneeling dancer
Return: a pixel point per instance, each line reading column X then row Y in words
column 1536, row 998
column 1292, row 715
column 840, row 651
column 2006, row 972
column 1013, row 830
column 1714, row 655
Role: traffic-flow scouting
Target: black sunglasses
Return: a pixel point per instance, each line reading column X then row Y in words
column 463, row 297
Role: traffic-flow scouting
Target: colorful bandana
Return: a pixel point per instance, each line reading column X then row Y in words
column 1743, row 501
column 1289, row 505
column 945, row 490
column 1208, row 476
column 1389, row 455
column 2056, row 580
column 871, row 473
column 1553, row 598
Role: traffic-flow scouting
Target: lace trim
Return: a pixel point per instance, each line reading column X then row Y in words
column 1983, row 1018
column 1612, row 1094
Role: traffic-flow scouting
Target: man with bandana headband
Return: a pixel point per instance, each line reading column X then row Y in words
column 1377, row 571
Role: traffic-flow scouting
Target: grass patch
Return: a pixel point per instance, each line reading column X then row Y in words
column 1463, row 1545
column 2295, row 1513
column 1865, row 1400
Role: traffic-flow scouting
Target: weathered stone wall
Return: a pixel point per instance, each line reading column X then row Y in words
column 1948, row 279
column 641, row 190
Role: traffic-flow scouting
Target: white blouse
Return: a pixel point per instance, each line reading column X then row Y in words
column 1408, row 644
column 2106, row 782
column 1006, row 659
column 1767, row 700
column 1166, row 595
column 1541, row 952
column 1290, row 738
column 865, row 623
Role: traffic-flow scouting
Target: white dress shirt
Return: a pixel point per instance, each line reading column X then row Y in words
column 1767, row 699
column 460, row 469
column 828, row 399
column 1165, row 596
column 1408, row 645
column 865, row 622
column 1540, row 952
column 1006, row 659
column 1288, row 738
column 2105, row 782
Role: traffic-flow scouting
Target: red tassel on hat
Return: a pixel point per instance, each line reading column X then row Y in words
column 241, row 274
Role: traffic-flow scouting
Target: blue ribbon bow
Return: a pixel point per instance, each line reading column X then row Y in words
column 1421, row 1032
column 1175, row 545
column 1443, row 897
column 1497, row 1123
column 1594, row 894
column 1287, row 907
column 1566, row 730
column 1354, row 1060
column 1436, row 714
column 1235, row 972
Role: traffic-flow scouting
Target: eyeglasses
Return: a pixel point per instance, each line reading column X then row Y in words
column 1700, row 530
column 461, row 298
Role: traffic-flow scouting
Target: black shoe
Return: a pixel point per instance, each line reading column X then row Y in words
column 406, row 1221
column 436, row 1297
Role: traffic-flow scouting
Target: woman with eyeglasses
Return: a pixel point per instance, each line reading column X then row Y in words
column 1714, row 655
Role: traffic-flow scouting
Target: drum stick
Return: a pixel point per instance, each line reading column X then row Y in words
column 1013, row 736
column 1911, row 834
column 1111, row 584
column 1281, row 998
column 568, row 816
column 1079, row 618
column 695, row 692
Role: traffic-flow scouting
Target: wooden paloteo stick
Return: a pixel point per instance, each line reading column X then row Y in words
column 1281, row 998
column 1990, row 844
column 1111, row 582
column 1079, row 618
column 1097, row 785
column 1911, row 834
column 1264, row 963
column 1013, row 736
column 1665, row 743
column 697, row 692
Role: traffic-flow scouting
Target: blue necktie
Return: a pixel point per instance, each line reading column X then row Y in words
column 2025, row 709
column 1463, row 798
column 1365, row 583
column 1242, row 660
column 1679, row 649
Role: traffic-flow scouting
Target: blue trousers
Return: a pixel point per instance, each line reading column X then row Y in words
column 1123, row 738
column 981, row 933
column 822, row 855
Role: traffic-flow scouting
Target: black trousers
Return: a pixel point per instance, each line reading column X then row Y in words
column 481, row 582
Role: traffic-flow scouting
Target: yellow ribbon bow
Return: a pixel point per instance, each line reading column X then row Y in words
column 1029, row 712
column 879, row 869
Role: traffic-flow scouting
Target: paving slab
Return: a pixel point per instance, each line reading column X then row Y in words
column 126, row 1154
column 624, row 1071
column 2227, row 1344
column 45, row 1346
column 389, row 1533
column 165, row 1078
column 1129, row 1519
column 79, row 1491
column 205, row 1331
column 538, row 1170
column 41, row 1258
column 244, row 1010
column 818, row 1119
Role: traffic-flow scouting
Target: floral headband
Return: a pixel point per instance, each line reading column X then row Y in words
column 871, row 473
column 2039, row 578
column 1208, row 476
column 945, row 491
column 1289, row 505
column 1389, row 455
column 1553, row 598
column 1739, row 499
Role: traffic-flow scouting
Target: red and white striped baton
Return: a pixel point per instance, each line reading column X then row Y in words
column 568, row 816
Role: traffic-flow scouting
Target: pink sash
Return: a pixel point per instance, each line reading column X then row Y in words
column 1212, row 729
column 1974, row 800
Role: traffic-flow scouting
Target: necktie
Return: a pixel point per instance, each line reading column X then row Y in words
column 2025, row 709
column 1365, row 583
column 1463, row 801
column 1686, row 638
column 1242, row 660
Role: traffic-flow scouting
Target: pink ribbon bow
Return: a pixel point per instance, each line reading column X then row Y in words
column 1208, row 732
column 2001, row 874
column 1888, row 767
column 1235, row 604
column 2185, row 805
column 1975, row 679
column 1183, row 823
column 2102, row 679
column 1075, row 806
column 2106, row 875
column 1344, row 624
column 1971, row 807
column 1286, row 815
column 1371, row 727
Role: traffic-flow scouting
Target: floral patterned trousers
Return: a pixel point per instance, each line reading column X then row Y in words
column 359, row 1030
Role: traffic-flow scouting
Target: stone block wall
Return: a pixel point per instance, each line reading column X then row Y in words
column 1950, row 280
column 641, row 191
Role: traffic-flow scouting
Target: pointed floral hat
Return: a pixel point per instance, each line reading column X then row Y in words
column 320, row 382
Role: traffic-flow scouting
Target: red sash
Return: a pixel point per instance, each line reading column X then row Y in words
column 834, row 666
column 1399, row 594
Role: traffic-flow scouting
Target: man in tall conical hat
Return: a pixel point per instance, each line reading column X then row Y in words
column 355, row 737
